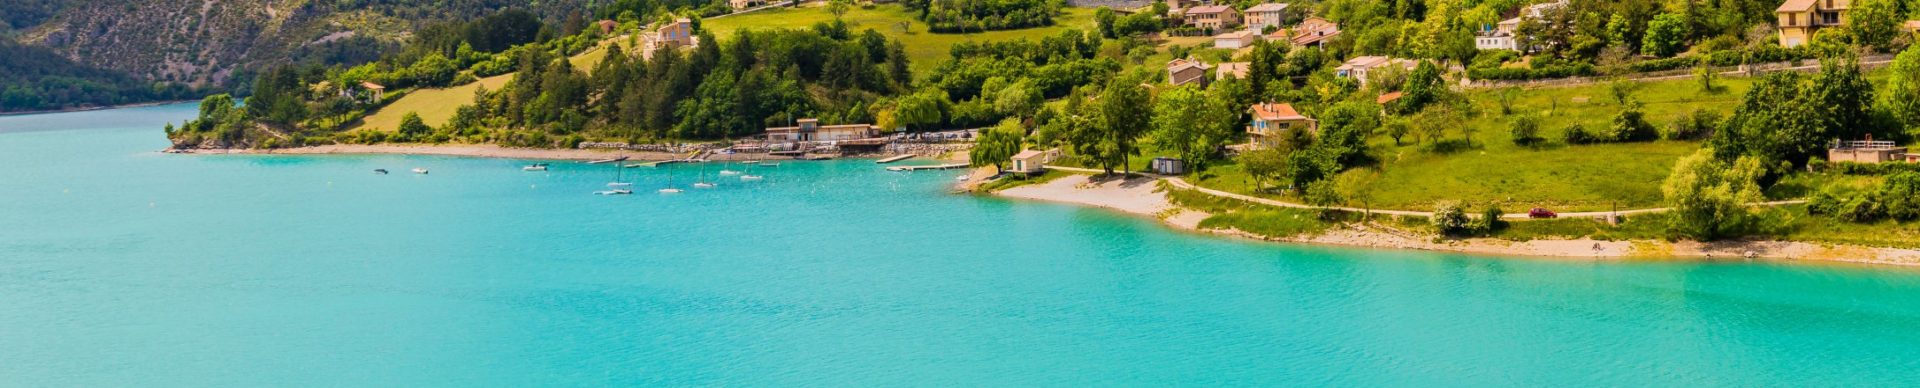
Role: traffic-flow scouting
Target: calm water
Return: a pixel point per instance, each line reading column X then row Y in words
column 120, row 266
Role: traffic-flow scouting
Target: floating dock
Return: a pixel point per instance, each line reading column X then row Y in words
column 659, row 163
column 893, row 159
column 928, row 167
column 604, row 161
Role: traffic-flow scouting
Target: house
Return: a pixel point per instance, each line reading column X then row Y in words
column 1033, row 161
column 1265, row 15
column 677, row 34
column 1212, row 17
column 1358, row 68
column 607, row 26
column 1501, row 36
column 1272, row 122
column 1800, row 19
column 379, row 92
column 1911, row 27
column 1869, row 151
column 1236, row 40
column 1236, row 70
column 1311, row 32
column 1186, row 71
column 741, row 5
column 811, row 130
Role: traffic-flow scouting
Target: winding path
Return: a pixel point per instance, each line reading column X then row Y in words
column 1184, row 185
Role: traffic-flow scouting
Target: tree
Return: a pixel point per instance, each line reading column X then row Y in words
column 1264, row 164
column 1874, row 23
column 1190, row 123
column 1103, row 19
column 1665, row 35
column 1709, row 196
column 1424, row 86
column 1843, row 98
column 920, row 109
column 411, row 127
column 1772, row 123
column 997, row 145
column 1902, row 85
column 1126, row 111
column 838, row 8
column 1631, row 125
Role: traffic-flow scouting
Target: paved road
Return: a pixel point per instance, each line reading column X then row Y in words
column 1182, row 184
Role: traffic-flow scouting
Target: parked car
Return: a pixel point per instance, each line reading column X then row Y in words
column 1541, row 212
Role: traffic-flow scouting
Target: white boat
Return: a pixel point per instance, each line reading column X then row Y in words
column 751, row 177
column 418, row 170
column 670, row 190
column 614, row 192
column 535, row 167
column 704, row 185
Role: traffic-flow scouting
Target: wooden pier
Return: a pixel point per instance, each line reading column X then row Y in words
column 928, row 167
column 893, row 159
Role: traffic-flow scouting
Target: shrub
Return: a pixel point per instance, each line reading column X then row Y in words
column 1450, row 218
column 1696, row 126
column 1900, row 194
column 1526, row 130
column 1631, row 125
column 1576, row 134
column 1489, row 221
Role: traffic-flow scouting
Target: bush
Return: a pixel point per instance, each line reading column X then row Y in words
column 1526, row 130
column 1450, row 218
column 1576, row 134
column 1696, row 126
column 1489, row 221
column 1631, row 125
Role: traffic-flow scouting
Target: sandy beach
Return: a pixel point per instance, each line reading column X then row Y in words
column 1138, row 196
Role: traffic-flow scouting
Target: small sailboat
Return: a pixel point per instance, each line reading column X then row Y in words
column 670, row 189
column 728, row 171
column 617, row 186
column 380, row 171
column 703, row 183
column 534, row 167
column 420, row 170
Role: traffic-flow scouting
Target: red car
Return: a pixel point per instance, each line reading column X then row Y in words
column 1541, row 212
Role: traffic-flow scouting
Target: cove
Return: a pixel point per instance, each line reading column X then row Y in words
column 121, row 266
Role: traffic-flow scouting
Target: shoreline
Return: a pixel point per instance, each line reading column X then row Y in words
column 1140, row 197
column 95, row 108
column 483, row 151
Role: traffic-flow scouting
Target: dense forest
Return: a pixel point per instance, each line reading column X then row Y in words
column 984, row 15
column 33, row 79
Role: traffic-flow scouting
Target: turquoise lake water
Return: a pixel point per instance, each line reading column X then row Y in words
column 121, row 266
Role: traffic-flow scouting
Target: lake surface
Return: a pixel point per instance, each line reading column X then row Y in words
column 121, row 266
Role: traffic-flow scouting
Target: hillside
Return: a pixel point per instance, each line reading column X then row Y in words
column 34, row 79
column 208, row 42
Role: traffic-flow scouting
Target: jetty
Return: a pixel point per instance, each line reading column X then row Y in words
column 893, row 159
column 605, row 161
column 928, row 167
column 658, row 163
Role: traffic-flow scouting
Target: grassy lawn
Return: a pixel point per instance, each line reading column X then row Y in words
column 924, row 49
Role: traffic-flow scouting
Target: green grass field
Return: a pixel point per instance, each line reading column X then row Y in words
column 1559, row 177
column 924, row 49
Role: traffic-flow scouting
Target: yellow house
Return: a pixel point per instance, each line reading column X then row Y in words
column 1271, row 122
column 1800, row 19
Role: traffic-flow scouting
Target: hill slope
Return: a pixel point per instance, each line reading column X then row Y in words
column 205, row 42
